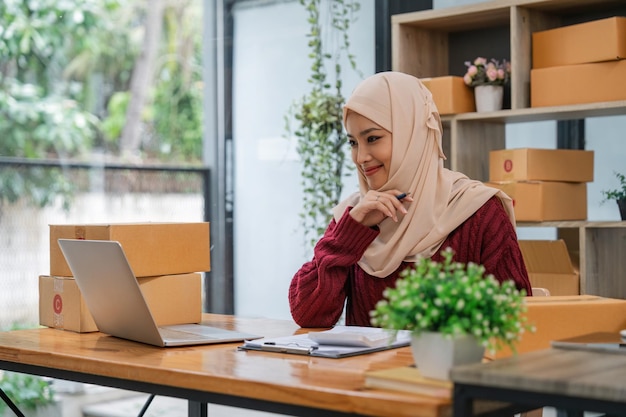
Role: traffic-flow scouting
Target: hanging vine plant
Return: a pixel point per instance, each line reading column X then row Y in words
column 318, row 115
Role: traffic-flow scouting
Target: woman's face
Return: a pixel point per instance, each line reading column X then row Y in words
column 371, row 149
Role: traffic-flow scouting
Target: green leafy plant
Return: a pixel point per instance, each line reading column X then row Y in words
column 26, row 391
column 318, row 116
column 618, row 193
column 454, row 299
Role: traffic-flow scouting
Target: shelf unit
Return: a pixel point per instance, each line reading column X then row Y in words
column 423, row 44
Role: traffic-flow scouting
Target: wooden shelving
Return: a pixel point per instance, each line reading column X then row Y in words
column 422, row 45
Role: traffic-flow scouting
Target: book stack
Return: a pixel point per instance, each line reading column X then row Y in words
column 408, row 379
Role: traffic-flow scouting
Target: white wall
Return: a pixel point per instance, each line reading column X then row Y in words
column 270, row 70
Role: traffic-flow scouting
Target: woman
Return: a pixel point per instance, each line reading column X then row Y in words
column 408, row 206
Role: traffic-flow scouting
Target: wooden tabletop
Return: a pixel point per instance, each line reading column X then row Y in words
column 332, row 384
column 577, row 373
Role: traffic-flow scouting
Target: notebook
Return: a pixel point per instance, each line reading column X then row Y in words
column 599, row 341
column 114, row 298
column 338, row 342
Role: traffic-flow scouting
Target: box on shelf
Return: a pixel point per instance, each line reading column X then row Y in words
column 524, row 164
column 594, row 41
column 540, row 201
column 549, row 266
column 560, row 317
column 173, row 299
column 151, row 248
column 578, row 84
column 450, row 94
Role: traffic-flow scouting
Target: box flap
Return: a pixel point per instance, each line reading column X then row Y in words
column 548, row 256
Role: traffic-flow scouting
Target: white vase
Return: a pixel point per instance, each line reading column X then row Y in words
column 488, row 97
column 435, row 354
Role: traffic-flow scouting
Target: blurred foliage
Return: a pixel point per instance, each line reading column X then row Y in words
column 65, row 68
column 173, row 116
column 26, row 391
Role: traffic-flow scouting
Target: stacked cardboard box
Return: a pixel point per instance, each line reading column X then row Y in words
column 450, row 94
column 167, row 259
column 589, row 56
column 545, row 184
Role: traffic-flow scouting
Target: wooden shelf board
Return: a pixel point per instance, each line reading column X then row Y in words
column 575, row 223
column 490, row 13
column 537, row 114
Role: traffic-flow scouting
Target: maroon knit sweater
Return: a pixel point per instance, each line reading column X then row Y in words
column 319, row 289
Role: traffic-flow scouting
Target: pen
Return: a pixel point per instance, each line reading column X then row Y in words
column 401, row 196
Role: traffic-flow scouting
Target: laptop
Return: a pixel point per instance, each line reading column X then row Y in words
column 114, row 298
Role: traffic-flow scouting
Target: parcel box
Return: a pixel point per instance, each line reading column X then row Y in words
column 578, row 84
column 560, row 317
column 173, row 299
column 450, row 94
column 151, row 248
column 523, row 164
column 539, row 201
column 549, row 266
column 595, row 41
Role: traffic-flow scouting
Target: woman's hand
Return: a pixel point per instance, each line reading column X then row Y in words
column 376, row 206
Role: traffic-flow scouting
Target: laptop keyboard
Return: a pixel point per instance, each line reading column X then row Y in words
column 189, row 331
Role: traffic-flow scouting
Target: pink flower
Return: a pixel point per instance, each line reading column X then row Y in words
column 486, row 72
column 480, row 61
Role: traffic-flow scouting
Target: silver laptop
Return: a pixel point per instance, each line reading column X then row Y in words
column 114, row 298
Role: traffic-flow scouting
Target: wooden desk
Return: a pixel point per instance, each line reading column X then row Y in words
column 572, row 381
column 220, row 374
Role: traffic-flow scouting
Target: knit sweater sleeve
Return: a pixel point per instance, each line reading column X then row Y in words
column 318, row 290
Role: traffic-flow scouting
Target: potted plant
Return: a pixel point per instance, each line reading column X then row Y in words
column 315, row 119
column 32, row 394
column 454, row 312
column 618, row 194
column 488, row 78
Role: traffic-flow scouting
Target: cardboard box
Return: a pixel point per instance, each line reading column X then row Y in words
column 530, row 164
column 173, row 299
column 560, row 317
column 61, row 305
column 152, row 249
column 578, row 84
column 595, row 41
column 539, row 201
column 549, row 266
column 450, row 94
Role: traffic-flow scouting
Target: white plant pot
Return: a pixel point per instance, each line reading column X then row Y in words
column 435, row 354
column 488, row 97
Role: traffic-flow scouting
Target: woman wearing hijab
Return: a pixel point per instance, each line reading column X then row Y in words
column 408, row 206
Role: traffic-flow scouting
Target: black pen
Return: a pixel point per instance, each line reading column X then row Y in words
column 401, row 196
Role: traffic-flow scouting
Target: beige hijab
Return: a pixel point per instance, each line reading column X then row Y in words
column 443, row 199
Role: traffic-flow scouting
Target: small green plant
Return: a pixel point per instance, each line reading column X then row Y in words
column 616, row 193
column 26, row 391
column 453, row 298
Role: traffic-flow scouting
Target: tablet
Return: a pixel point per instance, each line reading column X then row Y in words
column 598, row 341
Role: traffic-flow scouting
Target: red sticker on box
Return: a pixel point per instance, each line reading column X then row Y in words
column 508, row 165
column 57, row 303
